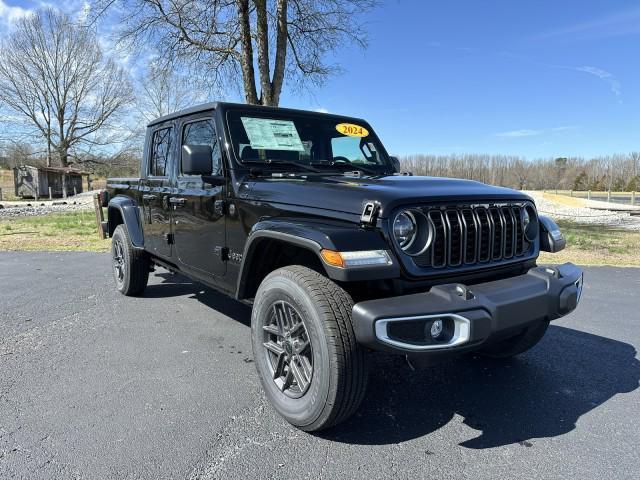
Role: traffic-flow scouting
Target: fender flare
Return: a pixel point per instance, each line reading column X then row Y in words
column 129, row 213
column 315, row 236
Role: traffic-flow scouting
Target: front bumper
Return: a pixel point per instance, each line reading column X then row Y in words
column 470, row 316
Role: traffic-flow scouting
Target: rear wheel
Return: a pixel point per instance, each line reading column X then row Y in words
column 311, row 368
column 519, row 344
column 130, row 265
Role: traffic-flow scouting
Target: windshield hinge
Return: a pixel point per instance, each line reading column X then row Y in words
column 370, row 213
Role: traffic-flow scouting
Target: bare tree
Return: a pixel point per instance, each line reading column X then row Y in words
column 162, row 91
column 53, row 75
column 521, row 170
column 222, row 41
column 19, row 153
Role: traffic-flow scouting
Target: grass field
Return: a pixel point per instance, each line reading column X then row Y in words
column 596, row 245
column 55, row 232
column 586, row 244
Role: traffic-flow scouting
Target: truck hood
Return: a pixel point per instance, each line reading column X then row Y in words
column 350, row 194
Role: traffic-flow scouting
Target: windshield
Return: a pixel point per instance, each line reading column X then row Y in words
column 317, row 141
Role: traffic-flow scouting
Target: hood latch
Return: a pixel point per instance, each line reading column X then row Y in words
column 369, row 213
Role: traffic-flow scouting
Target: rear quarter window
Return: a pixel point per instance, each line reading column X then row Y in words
column 160, row 152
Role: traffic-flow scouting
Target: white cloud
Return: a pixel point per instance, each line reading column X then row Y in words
column 534, row 133
column 10, row 14
column 519, row 133
column 565, row 128
column 84, row 12
column 322, row 110
column 617, row 24
column 614, row 83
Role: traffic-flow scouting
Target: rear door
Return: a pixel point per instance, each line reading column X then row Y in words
column 198, row 208
column 155, row 189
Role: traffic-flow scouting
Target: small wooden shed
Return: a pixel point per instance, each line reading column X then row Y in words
column 35, row 182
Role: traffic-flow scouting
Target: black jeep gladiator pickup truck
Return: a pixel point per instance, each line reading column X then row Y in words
column 306, row 216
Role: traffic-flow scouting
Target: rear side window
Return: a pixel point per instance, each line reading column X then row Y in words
column 160, row 152
column 203, row 132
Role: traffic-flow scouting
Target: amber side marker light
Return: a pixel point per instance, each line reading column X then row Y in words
column 355, row 259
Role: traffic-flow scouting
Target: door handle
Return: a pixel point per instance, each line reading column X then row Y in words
column 176, row 201
column 148, row 197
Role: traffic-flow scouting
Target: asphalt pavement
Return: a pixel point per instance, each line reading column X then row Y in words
column 97, row 385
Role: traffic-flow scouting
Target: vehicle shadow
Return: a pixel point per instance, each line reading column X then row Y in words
column 176, row 285
column 540, row 394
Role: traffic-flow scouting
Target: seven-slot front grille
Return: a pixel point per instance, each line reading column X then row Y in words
column 466, row 235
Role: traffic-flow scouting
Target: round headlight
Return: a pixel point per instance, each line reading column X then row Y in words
column 404, row 229
column 412, row 231
column 526, row 218
column 529, row 222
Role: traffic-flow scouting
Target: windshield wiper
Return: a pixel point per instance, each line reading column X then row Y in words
column 351, row 166
column 282, row 162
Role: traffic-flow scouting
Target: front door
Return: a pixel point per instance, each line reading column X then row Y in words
column 198, row 213
column 155, row 192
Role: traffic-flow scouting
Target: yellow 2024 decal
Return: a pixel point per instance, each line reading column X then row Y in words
column 352, row 130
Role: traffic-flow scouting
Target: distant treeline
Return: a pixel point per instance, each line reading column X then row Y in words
column 614, row 172
column 618, row 173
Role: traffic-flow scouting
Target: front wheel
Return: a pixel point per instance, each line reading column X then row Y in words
column 311, row 368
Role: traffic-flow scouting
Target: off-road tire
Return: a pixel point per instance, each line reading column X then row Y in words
column 519, row 344
column 135, row 263
column 339, row 377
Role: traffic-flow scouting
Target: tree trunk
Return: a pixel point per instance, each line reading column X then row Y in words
column 281, row 52
column 63, row 153
column 246, row 58
column 262, row 41
column 49, row 148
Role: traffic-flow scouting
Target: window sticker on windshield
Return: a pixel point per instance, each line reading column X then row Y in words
column 271, row 134
column 352, row 130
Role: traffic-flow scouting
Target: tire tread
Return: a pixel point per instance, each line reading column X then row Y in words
column 137, row 261
column 347, row 390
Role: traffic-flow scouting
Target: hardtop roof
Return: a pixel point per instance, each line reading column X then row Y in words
column 226, row 105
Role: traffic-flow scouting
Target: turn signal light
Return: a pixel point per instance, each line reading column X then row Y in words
column 332, row 258
column 361, row 258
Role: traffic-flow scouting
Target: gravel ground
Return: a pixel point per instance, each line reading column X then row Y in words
column 82, row 201
column 97, row 385
column 585, row 215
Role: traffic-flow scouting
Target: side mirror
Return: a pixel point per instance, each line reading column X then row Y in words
column 551, row 238
column 396, row 164
column 196, row 160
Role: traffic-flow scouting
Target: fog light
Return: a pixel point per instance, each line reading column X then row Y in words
column 436, row 328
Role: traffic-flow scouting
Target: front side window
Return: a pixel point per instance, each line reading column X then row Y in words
column 354, row 150
column 316, row 140
column 160, row 152
column 203, row 132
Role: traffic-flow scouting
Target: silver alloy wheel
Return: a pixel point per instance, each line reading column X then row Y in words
column 118, row 260
column 288, row 349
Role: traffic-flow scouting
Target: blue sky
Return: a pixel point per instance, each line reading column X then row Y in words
column 538, row 79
